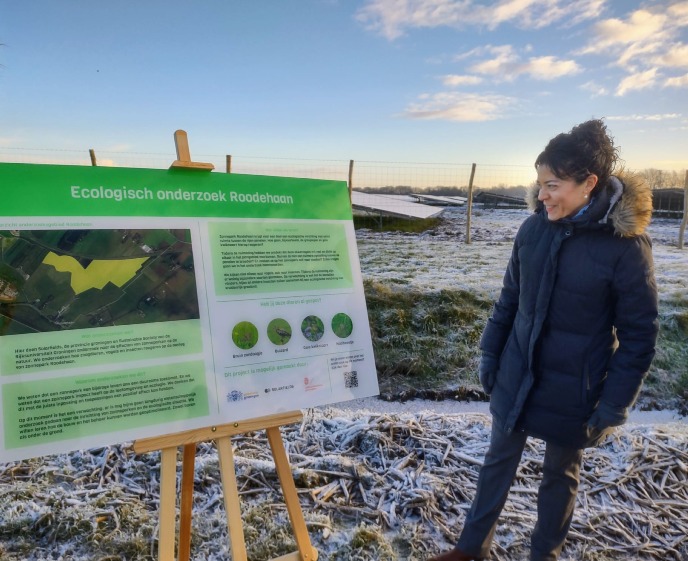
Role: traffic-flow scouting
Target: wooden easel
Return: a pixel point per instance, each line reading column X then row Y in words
column 221, row 434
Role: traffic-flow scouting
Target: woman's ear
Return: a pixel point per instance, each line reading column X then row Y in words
column 591, row 181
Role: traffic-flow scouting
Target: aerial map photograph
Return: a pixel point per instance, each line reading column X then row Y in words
column 53, row 280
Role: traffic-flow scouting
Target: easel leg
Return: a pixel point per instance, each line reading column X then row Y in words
column 291, row 498
column 186, row 506
column 231, row 496
column 168, row 499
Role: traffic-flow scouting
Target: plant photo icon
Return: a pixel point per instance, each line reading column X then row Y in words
column 342, row 325
column 245, row 335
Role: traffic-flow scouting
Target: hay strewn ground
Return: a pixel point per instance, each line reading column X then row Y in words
column 373, row 487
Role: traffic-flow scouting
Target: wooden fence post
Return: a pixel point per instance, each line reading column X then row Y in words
column 469, row 210
column 351, row 178
column 228, row 160
column 92, row 153
column 682, row 230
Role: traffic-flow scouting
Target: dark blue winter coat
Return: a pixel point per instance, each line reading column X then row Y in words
column 575, row 326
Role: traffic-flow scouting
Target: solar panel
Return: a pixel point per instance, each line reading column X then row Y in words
column 438, row 199
column 392, row 206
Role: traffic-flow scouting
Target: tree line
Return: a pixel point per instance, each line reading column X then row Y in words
column 662, row 179
column 656, row 178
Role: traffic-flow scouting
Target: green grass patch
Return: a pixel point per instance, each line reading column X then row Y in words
column 667, row 381
column 426, row 344
column 394, row 224
column 424, row 340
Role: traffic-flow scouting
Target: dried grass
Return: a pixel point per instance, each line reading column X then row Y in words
column 372, row 486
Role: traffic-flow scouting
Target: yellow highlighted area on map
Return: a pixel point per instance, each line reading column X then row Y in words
column 98, row 273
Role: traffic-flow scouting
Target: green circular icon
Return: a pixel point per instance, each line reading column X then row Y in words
column 245, row 335
column 279, row 331
column 312, row 328
column 342, row 325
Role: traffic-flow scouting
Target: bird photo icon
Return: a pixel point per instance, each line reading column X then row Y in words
column 279, row 331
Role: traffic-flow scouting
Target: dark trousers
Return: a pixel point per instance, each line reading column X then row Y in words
column 555, row 503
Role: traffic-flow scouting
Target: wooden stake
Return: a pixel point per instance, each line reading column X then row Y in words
column 228, row 163
column 92, row 153
column 682, row 229
column 469, row 209
column 351, row 178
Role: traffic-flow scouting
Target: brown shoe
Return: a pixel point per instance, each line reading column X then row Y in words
column 456, row 555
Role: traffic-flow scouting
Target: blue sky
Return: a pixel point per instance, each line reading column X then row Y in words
column 376, row 80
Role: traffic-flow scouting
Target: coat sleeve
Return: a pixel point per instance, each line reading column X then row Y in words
column 635, row 309
column 504, row 311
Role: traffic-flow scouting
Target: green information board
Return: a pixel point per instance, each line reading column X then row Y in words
column 139, row 302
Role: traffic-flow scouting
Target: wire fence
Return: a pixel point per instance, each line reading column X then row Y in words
column 366, row 174
column 399, row 177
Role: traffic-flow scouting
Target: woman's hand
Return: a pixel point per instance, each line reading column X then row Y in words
column 489, row 364
column 606, row 416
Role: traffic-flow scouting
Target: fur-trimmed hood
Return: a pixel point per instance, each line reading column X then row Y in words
column 625, row 203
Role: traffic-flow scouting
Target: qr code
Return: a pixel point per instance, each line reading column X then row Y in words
column 351, row 379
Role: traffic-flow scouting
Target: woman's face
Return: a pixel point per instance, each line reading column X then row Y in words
column 562, row 197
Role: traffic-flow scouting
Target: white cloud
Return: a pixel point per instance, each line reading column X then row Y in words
column 507, row 65
column 504, row 63
column 594, row 88
column 646, row 45
column 392, row 18
column 677, row 82
column 640, row 54
column 675, row 56
column 550, row 68
column 639, row 27
column 637, row 81
column 477, row 51
column 679, row 13
column 453, row 80
column 456, row 106
column 655, row 117
column 543, row 13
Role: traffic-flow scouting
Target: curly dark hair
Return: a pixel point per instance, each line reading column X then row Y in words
column 587, row 149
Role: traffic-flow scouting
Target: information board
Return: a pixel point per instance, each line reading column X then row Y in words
column 139, row 302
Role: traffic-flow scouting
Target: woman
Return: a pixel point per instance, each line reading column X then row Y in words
column 571, row 337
